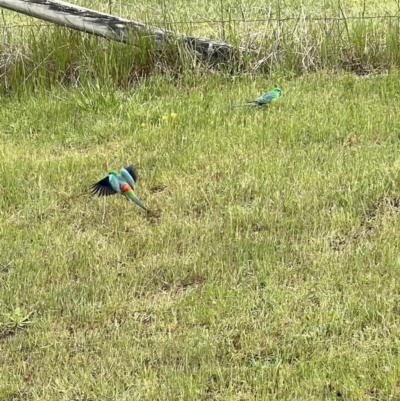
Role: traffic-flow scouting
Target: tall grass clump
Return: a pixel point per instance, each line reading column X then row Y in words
column 59, row 56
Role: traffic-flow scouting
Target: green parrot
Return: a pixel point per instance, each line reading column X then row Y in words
column 266, row 98
column 122, row 183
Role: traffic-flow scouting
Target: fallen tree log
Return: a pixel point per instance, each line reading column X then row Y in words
column 112, row 27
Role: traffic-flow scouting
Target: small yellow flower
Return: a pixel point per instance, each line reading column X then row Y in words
column 143, row 125
column 173, row 115
column 164, row 117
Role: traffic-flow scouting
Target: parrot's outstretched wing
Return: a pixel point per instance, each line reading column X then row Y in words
column 102, row 188
column 131, row 170
column 129, row 175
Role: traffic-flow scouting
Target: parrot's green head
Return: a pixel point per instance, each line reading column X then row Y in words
column 112, row 172
column 278, row 90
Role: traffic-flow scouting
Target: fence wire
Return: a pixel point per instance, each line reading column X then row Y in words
column 301, row 17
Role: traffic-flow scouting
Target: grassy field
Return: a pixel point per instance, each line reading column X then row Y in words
column 267, row 270
column 268, row 267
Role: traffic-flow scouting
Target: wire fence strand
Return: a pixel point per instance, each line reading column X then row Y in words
column 242, row 20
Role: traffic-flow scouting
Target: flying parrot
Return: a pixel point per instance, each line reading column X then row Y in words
column 122, row 183
column 266, row 98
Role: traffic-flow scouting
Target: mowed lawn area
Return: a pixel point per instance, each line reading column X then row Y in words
column 268, row 266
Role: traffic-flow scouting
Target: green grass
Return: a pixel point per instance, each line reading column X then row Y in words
column 268, row 269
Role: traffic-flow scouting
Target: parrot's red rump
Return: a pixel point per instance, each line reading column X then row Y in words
column 125, row 188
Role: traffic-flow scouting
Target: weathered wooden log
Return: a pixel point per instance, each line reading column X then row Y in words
column 112, row 27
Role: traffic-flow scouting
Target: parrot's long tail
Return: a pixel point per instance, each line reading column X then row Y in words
column 127, row 190
column 244, row 104
column 131, row 195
